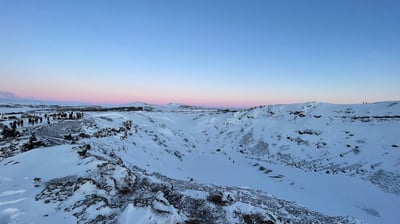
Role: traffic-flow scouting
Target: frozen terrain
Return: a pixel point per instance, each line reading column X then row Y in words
column 298, row 163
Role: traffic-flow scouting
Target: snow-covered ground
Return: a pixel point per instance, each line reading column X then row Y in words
column 332, row 161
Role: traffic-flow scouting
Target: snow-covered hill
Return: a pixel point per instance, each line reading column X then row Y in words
column 179, row 164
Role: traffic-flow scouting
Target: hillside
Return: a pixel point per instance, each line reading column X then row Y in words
column 294, row 163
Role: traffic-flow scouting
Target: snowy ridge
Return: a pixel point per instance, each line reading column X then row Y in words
column 182, row 164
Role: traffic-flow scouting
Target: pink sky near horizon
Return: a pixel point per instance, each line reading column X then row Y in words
column 146, row 87
column 123, row 97
column 164, row 96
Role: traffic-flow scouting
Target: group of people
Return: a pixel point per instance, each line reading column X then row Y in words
column 35, row 119
column 17, row 123
column 64, row 116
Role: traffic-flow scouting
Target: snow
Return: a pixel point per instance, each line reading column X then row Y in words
column 145, row 215
column 10, row 215
column 11, row 193
column 133, row 214
column 9, row 108
column 196, row 194
column 325, row 157
column 18, row 172
column 329, row 194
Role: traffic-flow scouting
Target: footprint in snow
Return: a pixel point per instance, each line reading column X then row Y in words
column 370, row 211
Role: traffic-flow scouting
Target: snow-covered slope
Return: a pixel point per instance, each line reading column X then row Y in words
column 181, row 164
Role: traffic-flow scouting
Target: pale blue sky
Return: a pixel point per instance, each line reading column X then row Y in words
column 227, row 53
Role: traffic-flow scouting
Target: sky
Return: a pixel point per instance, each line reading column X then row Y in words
column 200, row 52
